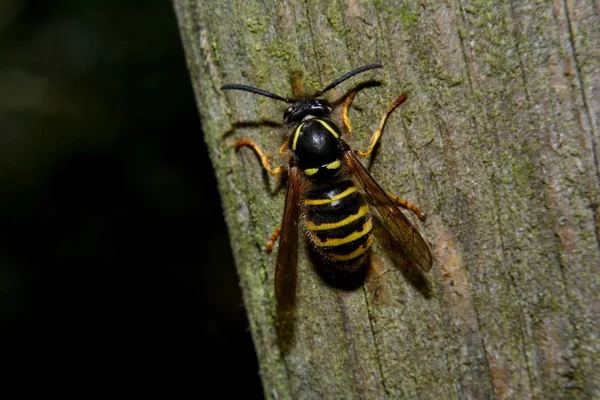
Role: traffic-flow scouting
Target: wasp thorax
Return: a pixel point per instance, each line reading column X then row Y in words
column 317, row 148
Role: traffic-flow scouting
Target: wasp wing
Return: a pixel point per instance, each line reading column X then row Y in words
column 406, row 233
column 287, row 254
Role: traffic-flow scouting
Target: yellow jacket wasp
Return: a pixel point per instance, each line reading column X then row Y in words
column 325, row 188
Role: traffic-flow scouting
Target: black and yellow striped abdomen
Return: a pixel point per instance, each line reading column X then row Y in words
column 338, row 222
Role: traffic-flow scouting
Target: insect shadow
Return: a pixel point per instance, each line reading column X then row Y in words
column 263, row 123
column 357, row 89
column 402, row 262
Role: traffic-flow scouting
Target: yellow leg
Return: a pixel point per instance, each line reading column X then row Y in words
column 284, row 146
column 263, row 158
column 408, row 205
column 345, row 108
column 377, row 134
column 271, row 242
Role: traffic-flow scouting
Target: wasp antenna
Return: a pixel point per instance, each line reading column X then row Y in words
column 261, row 92
column 347, row 76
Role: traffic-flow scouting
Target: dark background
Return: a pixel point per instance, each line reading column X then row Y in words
column 115, row 266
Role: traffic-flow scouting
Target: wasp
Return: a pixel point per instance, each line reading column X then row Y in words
column 326, row 189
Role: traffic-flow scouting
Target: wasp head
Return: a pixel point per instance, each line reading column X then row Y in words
column 300, row 110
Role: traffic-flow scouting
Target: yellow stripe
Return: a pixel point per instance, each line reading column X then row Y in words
column 352, row 237
column 358, row 252
column 329, row 128
column 318, row 202
column 296, row 134
column 334, row 165
column 332, row 225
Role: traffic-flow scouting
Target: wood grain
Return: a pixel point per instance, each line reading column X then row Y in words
column 498, row 144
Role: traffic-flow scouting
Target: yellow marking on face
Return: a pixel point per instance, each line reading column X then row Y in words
column 318, row 202
column 350, row 238
column 334, row 165
column 332, row 225
column 358, row 252
column 329, row 128
column 296, row 134
column 311, row 171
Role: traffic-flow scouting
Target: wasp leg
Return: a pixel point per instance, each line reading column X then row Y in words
column 284, row 146
column 271, row 242
column 263, row 158
column 377, row 134
column 345, row 108
column 407, row 205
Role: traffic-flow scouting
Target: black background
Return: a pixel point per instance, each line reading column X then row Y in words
column 115, row 266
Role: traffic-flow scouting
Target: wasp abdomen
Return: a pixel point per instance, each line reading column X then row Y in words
column 338, row 222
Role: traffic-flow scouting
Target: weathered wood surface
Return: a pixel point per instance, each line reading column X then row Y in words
column 498, row 143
